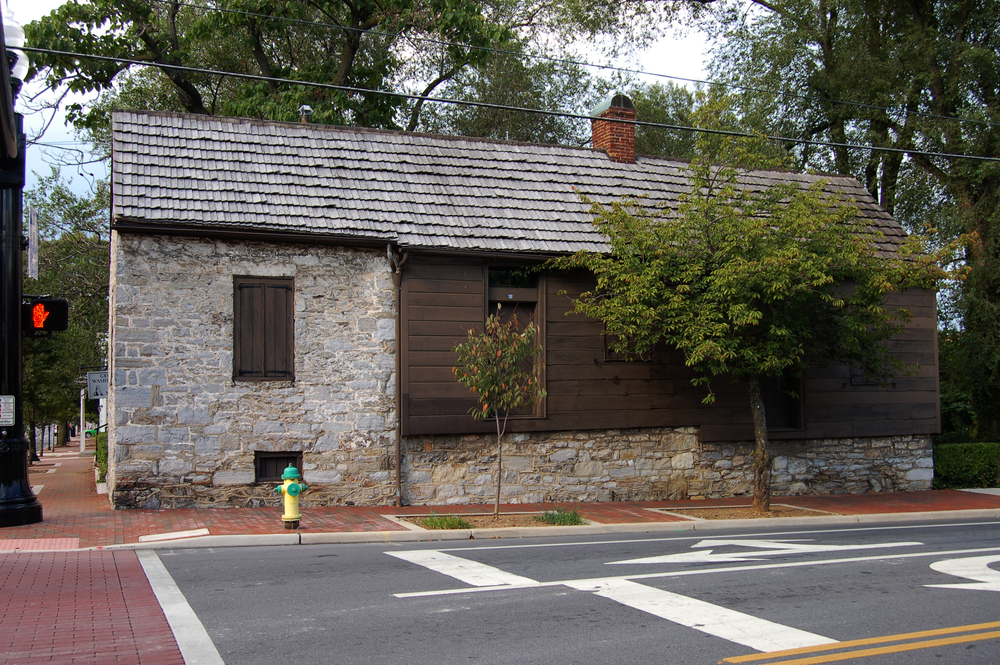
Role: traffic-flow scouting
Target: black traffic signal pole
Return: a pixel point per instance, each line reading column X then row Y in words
column 18, row 504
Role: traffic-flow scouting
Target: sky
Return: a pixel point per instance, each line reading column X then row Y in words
column 676, row 55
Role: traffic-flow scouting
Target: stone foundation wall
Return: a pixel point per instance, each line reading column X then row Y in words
column 652, row 464
column 183, row 432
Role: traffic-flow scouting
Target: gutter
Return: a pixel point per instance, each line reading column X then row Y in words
column 396, row 262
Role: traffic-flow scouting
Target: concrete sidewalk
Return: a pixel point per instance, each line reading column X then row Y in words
column 75, row 516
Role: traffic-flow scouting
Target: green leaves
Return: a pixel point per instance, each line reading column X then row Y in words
column 744, row 278
column 73, row 264
column 497, row 365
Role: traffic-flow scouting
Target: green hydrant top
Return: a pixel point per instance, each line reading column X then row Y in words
column 291, row 473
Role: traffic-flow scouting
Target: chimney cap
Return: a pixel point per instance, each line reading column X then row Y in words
column 617, row 101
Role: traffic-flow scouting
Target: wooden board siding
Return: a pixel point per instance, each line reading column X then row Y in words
column 444, row 297
column 836, row 407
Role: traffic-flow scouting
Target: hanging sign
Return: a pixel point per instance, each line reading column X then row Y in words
column 97, row 385
column 6, row 410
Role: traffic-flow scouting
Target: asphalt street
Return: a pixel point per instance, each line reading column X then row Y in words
column 913, row 593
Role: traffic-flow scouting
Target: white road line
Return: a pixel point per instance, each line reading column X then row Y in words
column 701, row 536
column 973, row 568
column 196, row 646
column 470, row 572
column 731, row 625
column 708, row 571
column 759, row 548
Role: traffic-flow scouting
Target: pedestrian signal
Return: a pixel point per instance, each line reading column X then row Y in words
column 45, row 315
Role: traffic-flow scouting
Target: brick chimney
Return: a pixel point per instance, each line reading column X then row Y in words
column 615, row 138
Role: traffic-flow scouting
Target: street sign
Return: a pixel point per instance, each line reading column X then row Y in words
column 6, row 410
column 97, row 385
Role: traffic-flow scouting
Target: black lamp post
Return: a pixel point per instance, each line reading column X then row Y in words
column 18, row 504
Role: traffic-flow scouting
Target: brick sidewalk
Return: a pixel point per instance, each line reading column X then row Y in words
column 81, row 607
column 76, row 516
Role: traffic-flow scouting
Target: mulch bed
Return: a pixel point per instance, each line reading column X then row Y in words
column 746, row 512
column 488, row 522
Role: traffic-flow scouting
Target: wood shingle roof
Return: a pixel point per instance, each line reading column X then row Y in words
column 417, row 190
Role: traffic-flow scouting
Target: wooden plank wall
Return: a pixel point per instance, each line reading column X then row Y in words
column 444, row 298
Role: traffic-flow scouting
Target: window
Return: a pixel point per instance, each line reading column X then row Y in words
column 610, row 355
column 263, row 329
column 268, row 467
column 520, row 291
column 782, row 401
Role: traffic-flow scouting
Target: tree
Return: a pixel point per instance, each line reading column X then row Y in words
column 748, row 284
column 919, row 77
column 359, row 44
column 497, row 365
column 514, row 80
column 73, row 264
column 668, row 104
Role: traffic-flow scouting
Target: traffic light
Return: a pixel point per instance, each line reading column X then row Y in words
column 44, row 315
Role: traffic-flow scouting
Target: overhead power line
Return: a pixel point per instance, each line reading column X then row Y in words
column 581, row 63
column 499, row 107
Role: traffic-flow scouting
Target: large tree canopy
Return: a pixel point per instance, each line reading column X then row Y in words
column 749, row 283
column 400, row 46
column 920, row 77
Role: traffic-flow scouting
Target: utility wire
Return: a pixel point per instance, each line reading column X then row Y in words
column 500, row 107
column 582, row 63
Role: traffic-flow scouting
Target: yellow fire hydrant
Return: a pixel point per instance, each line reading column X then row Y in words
column 291, row 488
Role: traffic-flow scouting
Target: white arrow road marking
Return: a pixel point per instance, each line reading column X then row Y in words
column 973, row 568
column 737, row 627
column 470, row 572
column 777, row 547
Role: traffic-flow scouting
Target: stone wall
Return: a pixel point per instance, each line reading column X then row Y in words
column 651, row 464
column 184, row 432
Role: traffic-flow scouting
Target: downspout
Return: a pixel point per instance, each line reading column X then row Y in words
column 396, row 262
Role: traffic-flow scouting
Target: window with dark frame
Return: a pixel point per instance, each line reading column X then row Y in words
column 263, row 328
column 519, row 291
column 268, row 466
column 610, row 355
column 782, row 401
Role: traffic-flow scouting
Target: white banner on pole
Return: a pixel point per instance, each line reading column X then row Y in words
column 32, row 243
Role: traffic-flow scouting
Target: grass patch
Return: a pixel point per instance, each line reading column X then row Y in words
column 561, row 517
column 444, row 522
column 965, row 465
column 101, row 456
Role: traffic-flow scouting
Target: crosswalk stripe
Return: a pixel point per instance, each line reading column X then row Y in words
column 731, row 625
column 470, row 572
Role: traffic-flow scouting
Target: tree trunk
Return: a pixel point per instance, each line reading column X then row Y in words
column 761, row 457
column 62, row 433
column 32, row 441
column 496, row 504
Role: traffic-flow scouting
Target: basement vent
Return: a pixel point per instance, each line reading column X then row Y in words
column 268, row 467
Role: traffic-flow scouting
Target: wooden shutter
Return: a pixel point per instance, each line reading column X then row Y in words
column 263, row 328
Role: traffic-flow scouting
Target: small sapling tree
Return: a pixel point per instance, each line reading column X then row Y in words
column 749, row 280
column 497, row 365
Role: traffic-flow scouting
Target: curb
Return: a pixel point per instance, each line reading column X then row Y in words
column 408, row 536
